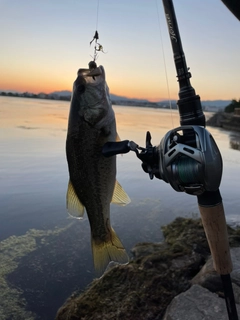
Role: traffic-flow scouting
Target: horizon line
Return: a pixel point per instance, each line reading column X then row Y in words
column 120, row 96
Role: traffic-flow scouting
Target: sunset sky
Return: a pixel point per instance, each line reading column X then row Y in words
column 44, row 43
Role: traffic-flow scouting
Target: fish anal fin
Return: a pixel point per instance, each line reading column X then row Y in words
column 74, row 206
column 120, row 197
column 105, row 252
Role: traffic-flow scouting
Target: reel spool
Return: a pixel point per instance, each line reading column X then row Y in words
column 190, row 160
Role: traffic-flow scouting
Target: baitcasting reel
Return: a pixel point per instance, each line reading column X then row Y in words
column 187, row 157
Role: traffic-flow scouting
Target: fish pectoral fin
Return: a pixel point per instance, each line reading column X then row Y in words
column 106, row 251
column 74, row 206
column 119, row 195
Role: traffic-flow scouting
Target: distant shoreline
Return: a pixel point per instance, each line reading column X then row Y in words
column 130, row 103
column 207, row 105
column 227, row 121
column 35, row 96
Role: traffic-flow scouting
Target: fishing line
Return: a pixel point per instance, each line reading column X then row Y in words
column 97, row 47
column 164, row 62
column 97, row 14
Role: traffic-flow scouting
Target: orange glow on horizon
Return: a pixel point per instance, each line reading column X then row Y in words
column 52, row 87
column 37, row 83
column 35, row 79
column 35, row 86
column 47, row 86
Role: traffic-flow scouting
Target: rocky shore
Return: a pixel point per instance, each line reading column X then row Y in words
column 228, row 121
column 173, row 280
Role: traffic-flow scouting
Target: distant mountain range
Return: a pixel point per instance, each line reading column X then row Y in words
column 208, row 104
column 63, row 93
column 114, row 97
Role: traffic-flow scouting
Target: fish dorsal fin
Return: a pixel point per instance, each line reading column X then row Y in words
column 74, row 205
column 119, row 195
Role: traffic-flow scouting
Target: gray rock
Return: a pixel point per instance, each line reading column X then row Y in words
column 236, row 291
column 197, row 303
column 235, row 274
column 208, row 277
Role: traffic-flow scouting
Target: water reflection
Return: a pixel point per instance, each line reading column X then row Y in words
column 33, row 185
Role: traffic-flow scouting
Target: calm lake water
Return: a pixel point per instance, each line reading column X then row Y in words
column 44, row 254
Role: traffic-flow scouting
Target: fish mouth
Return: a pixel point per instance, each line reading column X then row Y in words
column 96, row 72
column 89, row 77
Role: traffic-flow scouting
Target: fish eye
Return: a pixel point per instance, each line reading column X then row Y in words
column 80, row 84
column 81, row 88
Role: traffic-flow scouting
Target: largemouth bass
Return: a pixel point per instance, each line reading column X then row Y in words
column 92, row 182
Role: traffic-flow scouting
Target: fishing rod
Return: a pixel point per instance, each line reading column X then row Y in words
column 233, row 6
column 209, row 201
column 189, row 160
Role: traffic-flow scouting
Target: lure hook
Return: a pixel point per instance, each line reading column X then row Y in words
column 98, row 47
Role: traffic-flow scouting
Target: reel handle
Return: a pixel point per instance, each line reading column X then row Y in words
column 112, row 148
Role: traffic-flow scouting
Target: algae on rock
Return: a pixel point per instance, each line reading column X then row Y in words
column 142, row 289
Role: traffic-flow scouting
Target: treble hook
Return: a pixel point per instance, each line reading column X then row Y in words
column 97, row 47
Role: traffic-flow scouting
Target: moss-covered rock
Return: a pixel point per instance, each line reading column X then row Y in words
column 143, row 289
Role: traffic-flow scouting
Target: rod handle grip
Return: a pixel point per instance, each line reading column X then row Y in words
column 214, row 223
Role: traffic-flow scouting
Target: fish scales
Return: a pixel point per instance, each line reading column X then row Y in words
column 89, row 170
column 92, row 177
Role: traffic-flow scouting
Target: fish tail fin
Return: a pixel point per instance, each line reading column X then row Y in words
column 107, row 251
